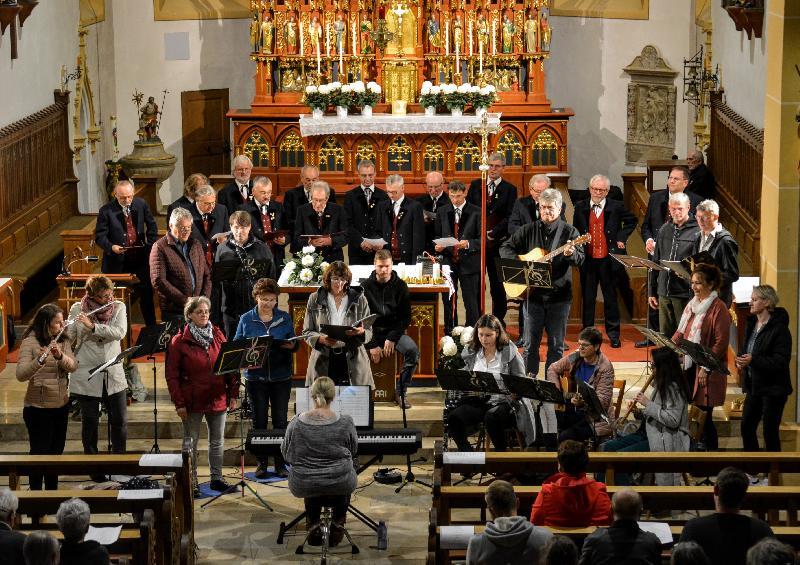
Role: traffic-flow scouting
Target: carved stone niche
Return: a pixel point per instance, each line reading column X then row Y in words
column 651, row 108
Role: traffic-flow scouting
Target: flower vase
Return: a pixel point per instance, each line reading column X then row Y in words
column 317, row 113
column 341, row 112
column 480, row 112
column 430, row 110
column 456, row 112
column 366, row 111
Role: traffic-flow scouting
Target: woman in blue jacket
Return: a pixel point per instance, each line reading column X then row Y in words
column 270, row 387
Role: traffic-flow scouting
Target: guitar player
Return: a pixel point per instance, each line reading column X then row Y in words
column 548, row 309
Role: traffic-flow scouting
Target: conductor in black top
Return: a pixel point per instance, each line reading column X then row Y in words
column 126, row 230
column 239, row 192
column 325, row 221
column 400, row 222
column 462, row 221
column 360, row 205
column 434, row 198
column 500, row 198
column 268, row 217
column 299, row 195
column 701, row 179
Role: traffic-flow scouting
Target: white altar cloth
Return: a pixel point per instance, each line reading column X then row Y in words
column 389, row 124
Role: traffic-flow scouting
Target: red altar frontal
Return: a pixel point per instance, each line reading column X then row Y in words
column 399, row 44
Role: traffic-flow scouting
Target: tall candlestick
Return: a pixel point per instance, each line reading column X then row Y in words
column 447, row 38
column 480, row 57
column 319, row 63
column 341, row 61
column 302, row 39
column 469, row 27
column 327, row 40
column 494, row 38
column 353, row 35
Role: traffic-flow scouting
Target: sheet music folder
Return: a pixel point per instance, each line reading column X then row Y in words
column 535, row 389
column 703, row 357
column 352, row 400
column 529, row 274
column 118, row 359
column 339, row 332
column 592, row 403
column 155, row 339
column 247, row 353
column 235, row 270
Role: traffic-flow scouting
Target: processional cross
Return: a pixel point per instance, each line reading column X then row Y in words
column 484, row 129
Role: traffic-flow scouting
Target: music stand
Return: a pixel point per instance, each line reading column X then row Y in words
column 236, row 270
column 522, row 275
column 152, row 340
column 535, row 389
column 703, row 357
column 468, row 381
column 104, row 369
column 660, row 339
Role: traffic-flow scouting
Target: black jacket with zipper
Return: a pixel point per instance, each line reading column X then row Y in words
column 391, row 301
column 769, row 373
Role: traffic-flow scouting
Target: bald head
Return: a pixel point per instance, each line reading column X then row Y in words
column 626, row 504
column 434, row 184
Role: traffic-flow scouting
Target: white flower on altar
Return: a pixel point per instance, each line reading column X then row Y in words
column 358, row 86
column 290, row 266
column 474, row 89
column 347, row 88
column 466, row 336
column 306, row 275
column 487, row 90
column 334, row 85
column 464, row 88
column 307, row 260
column 311, row 89
column 324, row 265
column 426, row 87
column 449, row 88
column 324, row 89
column 373, row 86
column 435, row 90
column 457, row 331
column 309, row 249
column 449, row 347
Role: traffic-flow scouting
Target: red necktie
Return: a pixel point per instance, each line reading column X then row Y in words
column 456, row 225
column 395, row 243
column 209, row 255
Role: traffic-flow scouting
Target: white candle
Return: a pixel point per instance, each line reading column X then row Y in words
column 353, row 35
column 341, row 62
column 447, row 38
column 480, row 57
column 328, row 41
column 458, row 67
column 319, row 63
column 494, row 38
column 302, row 39
column 437, row 270
column 469, row 26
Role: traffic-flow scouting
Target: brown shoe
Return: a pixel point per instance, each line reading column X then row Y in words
column 399, row 400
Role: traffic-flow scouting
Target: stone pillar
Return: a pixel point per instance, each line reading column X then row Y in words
column 780, row 195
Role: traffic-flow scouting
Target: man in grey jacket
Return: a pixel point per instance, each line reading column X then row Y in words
column 508, row 538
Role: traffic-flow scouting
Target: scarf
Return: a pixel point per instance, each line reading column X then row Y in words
column 696, row 310
column 203, row 336
column 103, row 316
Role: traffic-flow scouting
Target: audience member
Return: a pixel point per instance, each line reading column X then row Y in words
column 726, row 535
column 770, row 551
column 688, row 553
column 41, row 549
column 73, row 520
column 560, row 550
column 508, row 538
column 701, row 179
column 11, row 542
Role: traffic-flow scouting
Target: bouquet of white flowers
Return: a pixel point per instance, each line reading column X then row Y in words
column 316, row 98
column 450, row 347
column 306, row 267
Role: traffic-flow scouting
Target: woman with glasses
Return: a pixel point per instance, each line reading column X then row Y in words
column 336, row 303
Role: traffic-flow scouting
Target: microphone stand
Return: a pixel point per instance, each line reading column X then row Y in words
column 409, row 478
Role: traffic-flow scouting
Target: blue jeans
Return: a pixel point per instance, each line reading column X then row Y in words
column 635, row 442
column 410, row 352
column 552, row 318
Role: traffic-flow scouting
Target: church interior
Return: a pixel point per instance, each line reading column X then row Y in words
column 97, row 91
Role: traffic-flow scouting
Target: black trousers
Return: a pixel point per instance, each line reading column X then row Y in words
column 466, row 417
column 229, row 325
column 594, row 272
column 573, row 424
column 338, row 503
column 767, row 409
column 139, row 264
column 117, row 407
column 263, row 396
column 496, row 289
column 469, row 296
column 337, row 367
column 47, row 433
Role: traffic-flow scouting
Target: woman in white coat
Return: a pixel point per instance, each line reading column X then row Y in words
column 100, row 323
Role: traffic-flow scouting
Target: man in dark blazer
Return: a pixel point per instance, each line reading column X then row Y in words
column 701, row 179
column 239, row 192
column 434, row 198
column 268, row 218
column 11, row 542
column 656, row 215
column 500, row 198
column 526, row 209
column 400, row 222
column 360, row 205
column 210, row 221
column 125, row 231
column 462, row 221
column 190, row 186
column 299, row 195
column 324, row 219
column 610, row 225
column 719, row 242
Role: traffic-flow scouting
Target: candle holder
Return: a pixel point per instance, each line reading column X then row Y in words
column 381, row 36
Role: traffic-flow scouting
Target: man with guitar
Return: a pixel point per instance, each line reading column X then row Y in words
column 500, row 198
column 552, row 240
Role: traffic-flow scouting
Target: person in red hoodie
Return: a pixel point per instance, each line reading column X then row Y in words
column 569, row 499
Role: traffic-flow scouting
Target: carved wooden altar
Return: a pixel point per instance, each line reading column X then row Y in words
column 399, row 44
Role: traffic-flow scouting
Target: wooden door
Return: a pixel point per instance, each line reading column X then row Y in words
column 206, row 132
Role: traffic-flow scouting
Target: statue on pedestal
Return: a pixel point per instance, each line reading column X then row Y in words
column 290, row 35
column 544, row 31
column 315, row 32
column 254, row 34
column 531, row 31
column 267, row 33
column 340, row 27
column 366, row 30
column 508, row 34
column 434, row 37
column 148, row 120
column 482, row 28
column 458, row 34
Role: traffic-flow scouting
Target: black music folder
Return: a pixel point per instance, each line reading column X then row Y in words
column 535, row 389
column 591, row 402
column 660, row 339
column 236, row 270
column 155, row 339
column 703, row 357
column 246, row 353
column 468, row 381
column 339, row 332
column 634, row 262
column 118, row 359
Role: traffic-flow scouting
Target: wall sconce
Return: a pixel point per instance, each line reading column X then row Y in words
column 66, row 78
column 698, row 82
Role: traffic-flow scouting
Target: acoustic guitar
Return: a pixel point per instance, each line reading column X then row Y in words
column 570, row 389
column 539, row 255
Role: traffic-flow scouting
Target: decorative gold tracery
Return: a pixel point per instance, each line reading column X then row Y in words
column 422, row 316
column 365, row 151
column 257, row 149
column 468, row 155
column 292, row 152
column 510, row 146
column 331, row 155
column 545, row 150
column 398, row 155
column 433, row 157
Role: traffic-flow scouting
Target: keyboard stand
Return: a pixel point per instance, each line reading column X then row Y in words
column 379, row 528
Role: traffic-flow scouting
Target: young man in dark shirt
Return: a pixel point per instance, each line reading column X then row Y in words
column 726, row 535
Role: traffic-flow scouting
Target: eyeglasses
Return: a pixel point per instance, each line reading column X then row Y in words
column 583, row 345
column 337, row 280
column 676, row 178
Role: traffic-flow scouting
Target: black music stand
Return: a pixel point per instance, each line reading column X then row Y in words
column 152, row 340
column 236, row 270
column 530, row 274
column 659, row 339
column 104, row 369
column 703, row 357
column 468, row 381
column 535, row 389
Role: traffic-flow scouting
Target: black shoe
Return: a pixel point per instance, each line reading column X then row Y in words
column 196, row 492
column 281, row 471
column 615, row 343
column 402, row 401
column 99, row 478
column 643, row 343
column 261, row 471
column 219, row 485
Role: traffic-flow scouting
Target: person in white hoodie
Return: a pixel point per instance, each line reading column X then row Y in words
column 508, row 538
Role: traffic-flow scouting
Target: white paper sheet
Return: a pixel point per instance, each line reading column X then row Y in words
column 103, row 536
column 350, row 400
column 455, row 537
column 465, row 457
column 446, row 241
column 140, row 494
column 161, row 460
column 743, row 288
column 660, row 529
column 379, row 242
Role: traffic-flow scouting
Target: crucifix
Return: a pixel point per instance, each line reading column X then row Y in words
column 484, row 129
column 399, row 10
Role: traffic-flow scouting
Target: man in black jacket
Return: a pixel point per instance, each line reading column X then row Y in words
column 433, row 198
column 360, row 205
column 720, row 244
column 322, row 219
column 461, row 221
column 500, row 198
column 299, row 195
column 239, row 192
column 399, row 221
column 548, row 309
column 268, row 218
column 675, row 240
column 11, row 542
column 126, row 230
column 526, row 209
column 388, row 297
column 210, row 221
column 610, row 225
column 701, row 179
column 624, row 541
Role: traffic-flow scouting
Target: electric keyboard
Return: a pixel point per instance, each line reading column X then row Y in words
column 370, row 442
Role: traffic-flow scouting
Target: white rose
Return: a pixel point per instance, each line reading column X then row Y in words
column 426, row 88
column 290, row 266
column 466, row 336
column 336, row 84
column 443, row 341
column 485, row 91
column 324, row 89
column 307, row 260
column 450, row 348
column 324, row 265
column 306, row 275
column 449, row 88
column 309, row 249
column 346, row 88
column 358, row 86
column 436, row 90
column 311, row 89
column 427, row 84
column 457, row 331
column 474, row 89
column 464, row 88
column 374, row 87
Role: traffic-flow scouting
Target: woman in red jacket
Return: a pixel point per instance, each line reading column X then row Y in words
column 195, row 390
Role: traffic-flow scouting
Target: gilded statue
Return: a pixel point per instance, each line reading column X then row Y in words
column 482, row 27
column 508, row 34
column 290, row 35
column 531, row 30
column 340, row 27
column 458, row 33
column 366, row 37
column 545, row 31
column 254, row 34
column 315, row 33
column 434, row 37
column 267, row 33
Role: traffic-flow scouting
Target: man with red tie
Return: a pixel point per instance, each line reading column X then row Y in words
column 401, row 223
column 237, row 193
column 268, row 219
column 210, row 221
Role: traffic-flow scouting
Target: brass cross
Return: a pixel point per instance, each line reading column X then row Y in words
column 484, row 129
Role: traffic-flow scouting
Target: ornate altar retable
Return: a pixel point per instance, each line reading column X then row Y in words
column 399, row 44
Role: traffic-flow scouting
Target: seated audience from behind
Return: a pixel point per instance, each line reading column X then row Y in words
column 560, row 550
column 570, row 499
column 770, row 551
column 508, row 538
column 688, row 553
column 40, row 549
column 726, row 535
column 73, row 520
column 624, row 541
column 11, row 542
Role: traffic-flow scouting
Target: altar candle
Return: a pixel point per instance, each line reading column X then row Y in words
column 319, row 63
column 447, row 38
column 302, row 39
column 480, row 57
column 437, row 270
column 341, row 61
column 458, row 67
column 353, row 35
column 494, row 38
column 469, row 27
column 327, row 41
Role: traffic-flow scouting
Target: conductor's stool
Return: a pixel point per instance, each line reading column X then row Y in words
column 329, row 533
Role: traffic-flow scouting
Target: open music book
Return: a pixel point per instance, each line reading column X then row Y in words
column 354, row 401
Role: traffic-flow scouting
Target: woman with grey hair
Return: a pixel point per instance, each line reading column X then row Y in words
column 40, row 549
column 764, row 368
column 73, row 518
column 194, row 388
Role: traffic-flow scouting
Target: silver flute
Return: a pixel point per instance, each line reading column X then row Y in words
column 69, row 322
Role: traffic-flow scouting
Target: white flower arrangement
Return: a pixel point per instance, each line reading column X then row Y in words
column 467, row 335
column 290, row 266
column 358, row 87
column 449, row 347
column 306, row 267
column 307, row 260
column 309, row 249
column 337, row 94
column 374, row 87
column 306, row 275
column 457, row 331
